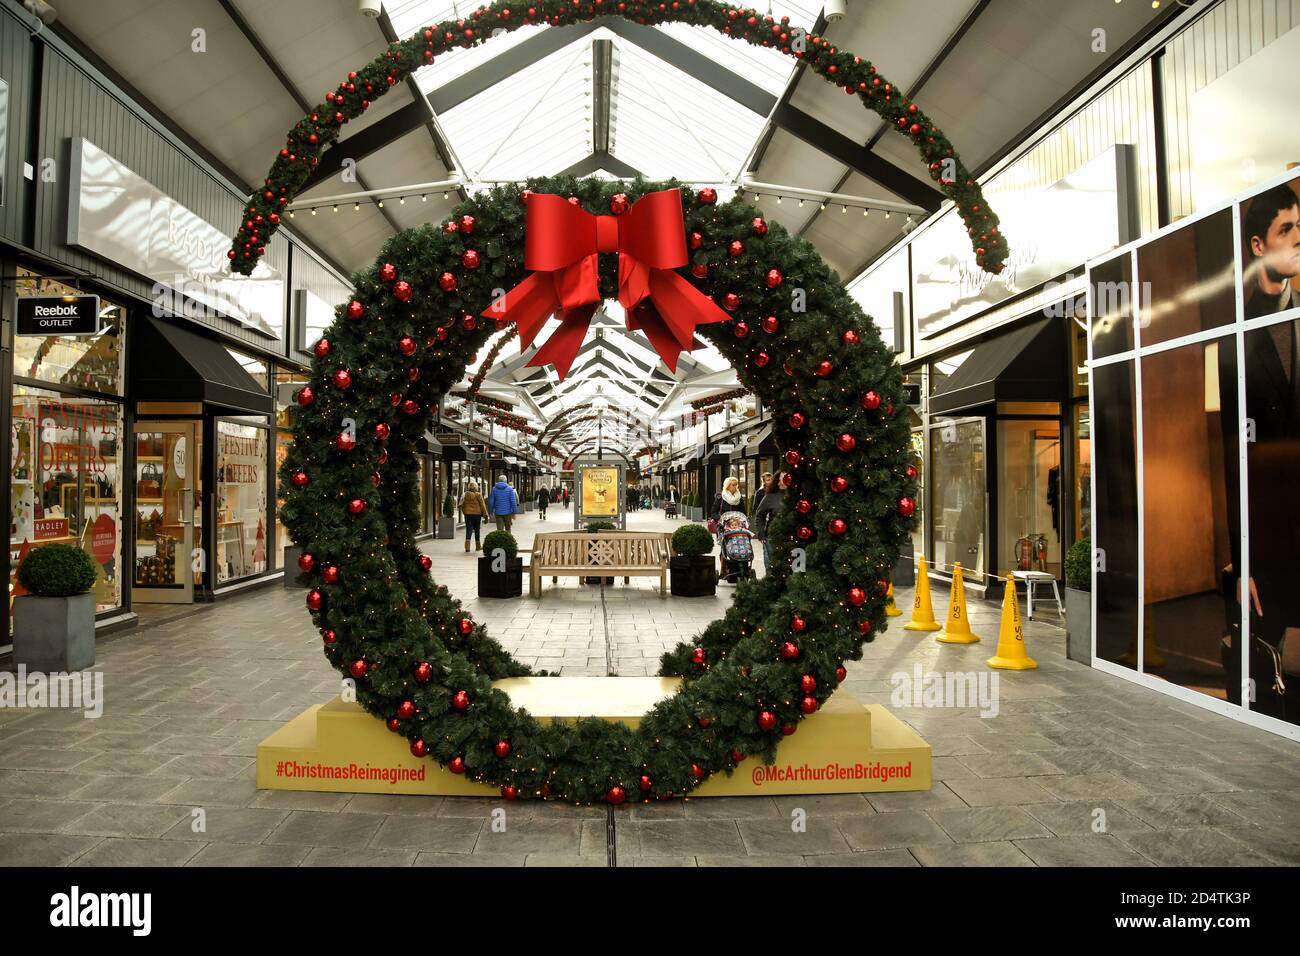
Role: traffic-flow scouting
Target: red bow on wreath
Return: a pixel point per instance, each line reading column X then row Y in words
column 561, row 244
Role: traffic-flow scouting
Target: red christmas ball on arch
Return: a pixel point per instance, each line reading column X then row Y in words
column 470, row 259
column 342, row 379
column 315, row 599
column 708, row 195
column 841, row 673
column 771, row 324
column 447, row 282
column 403, row 290
column 423, row 672
column 466, row 225
column 798, row 420
column 321, row 348
column 788, row 730
column 460, row 700
column 465, row 625
column 406, row 710
column 410, row 407
column 839, row 484
column 355, row 310
column 300, row 479
column 731, row 302
column 356, row 506
column 837, row 526
column 501, row 749
column 759, row 226
column 330, row 574
column 619, row 204
column 615, row 795
column 359, row 668
column 761, row 359
column 766, row 720
column 808, row 705
column 773, row 278
column 456, row 764
column 807, row 683
column 906, row 507
column 735, row 248
column 306, row 395
column 792, row 458
column 740, row 329
column 407, row 345
column 798, row 624
column 426, row 562
column 824, row 368
column 870, row 401
column 803, row 506
column 699, row 655
column 856, row 596
column 329, row 637
column 388, row 272
column 419, row 748
column 846, row 443
column 346, row 441
column 804, row 533
column 789, row 651
column 850, row 337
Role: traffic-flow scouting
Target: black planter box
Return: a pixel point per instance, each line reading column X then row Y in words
column 500, row 584
column 693, row 575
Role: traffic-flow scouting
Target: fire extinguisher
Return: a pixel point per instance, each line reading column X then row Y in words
column 1024, row 553
column 1042, row 552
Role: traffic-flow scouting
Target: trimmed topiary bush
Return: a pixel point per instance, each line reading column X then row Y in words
column 57, row 570
column 449, row 506
column 501, row 539
column 692, row 539
column 1078, row 565
column 594, row 526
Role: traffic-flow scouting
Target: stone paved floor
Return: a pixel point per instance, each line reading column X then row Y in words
column 189, row 698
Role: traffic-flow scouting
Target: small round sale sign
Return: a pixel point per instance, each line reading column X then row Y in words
column 103, row 539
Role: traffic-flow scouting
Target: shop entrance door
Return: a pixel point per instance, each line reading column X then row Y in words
column 166, row 493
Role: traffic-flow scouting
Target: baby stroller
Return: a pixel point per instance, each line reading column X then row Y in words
column 737, row 551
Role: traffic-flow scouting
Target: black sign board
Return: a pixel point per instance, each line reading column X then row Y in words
column 476, row 449
column 58, row 315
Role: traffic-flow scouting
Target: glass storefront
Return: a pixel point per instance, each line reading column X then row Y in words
column 958, row 510
column 1029, row 495
column 287, row 383
column 241, row 539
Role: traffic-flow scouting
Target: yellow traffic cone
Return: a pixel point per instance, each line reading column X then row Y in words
column 1011, row 653
column 891, row 609
column 956, row 629
column 922, row 612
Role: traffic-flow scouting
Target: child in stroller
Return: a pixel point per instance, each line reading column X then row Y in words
column 737, row 552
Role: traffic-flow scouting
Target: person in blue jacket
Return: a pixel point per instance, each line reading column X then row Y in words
column 502, row 503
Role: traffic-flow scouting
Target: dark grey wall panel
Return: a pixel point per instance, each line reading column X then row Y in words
column 16, row 70
column 75, row 103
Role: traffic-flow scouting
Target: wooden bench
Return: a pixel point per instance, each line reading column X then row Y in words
column 603, row 554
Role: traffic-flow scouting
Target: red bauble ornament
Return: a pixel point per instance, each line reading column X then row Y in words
column 911, row 471
column 787, row 480
column 704, row 722
column 759, row 226
column 856, row 596
column 737, row 756
column 808, row 705
column 391, row 724
column 615, row 795
column 798, row 624
column 870, row 401
column 466, row 225
column 708, row 195
column 502, row 749
column 321, row 348
column 837, row 526
column 468, row 322
column 807, row 683
column 697, row 771
column 346, row 441
column 841, row 673
column 381, row 430
column 447, row 282
column 419, row 748
column 766, row 720
column 407, row 345
column 771, row 325
column 839, row 484
column 792, row 458
column 740, row 329
column 619, row 204
column 403, row 290
column 509, row 792
column 846, row 442
column 315, row 599
column 731, row 302
column 306, row 395
column 906, row 507
column 388, row 272
column 761, row 359
column 803, row 506
column 342, row 379
column 789, row 651
column 700, row 270
column 850, row 337
column 824, row 368
column 645, row 783
column 695, row 240
column 423, row 672
column 470, row 259
column 460, row 700
column 465, row 625
column 329, row 637
column 356, row 506
column 698, row 656
column 864, row 627
column 735, row 248
column 804, row 533
column 788, row 730
column 410, row 407
column 773, row 278
column 300, row 479
column 406, row 710
column 426, row 562
column 355, row 310
column 330, row 575
column 359, row 669
column 798, row 420
column 456, row 764
column 306, row 562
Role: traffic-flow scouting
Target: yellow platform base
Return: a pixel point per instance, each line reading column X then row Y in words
column 845, row 747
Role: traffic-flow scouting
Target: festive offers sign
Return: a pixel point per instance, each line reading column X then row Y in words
column 599, row 491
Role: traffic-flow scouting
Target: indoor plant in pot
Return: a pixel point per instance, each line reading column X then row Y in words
column 54, row 622
column 593, row 527
column 692, row 571
column 1078, row 601
column 500, row 569
column 447, row 523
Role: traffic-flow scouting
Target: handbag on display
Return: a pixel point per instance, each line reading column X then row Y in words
column 150, row 481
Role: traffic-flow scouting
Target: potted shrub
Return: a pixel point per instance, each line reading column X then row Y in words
column 691, row 570
column 447, row 523
column 54, row 622
column 1078, row 601
column 500, row 569
column 593, row 527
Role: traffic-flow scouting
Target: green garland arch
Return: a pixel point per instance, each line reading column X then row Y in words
column 854, row 75
column 424, row 666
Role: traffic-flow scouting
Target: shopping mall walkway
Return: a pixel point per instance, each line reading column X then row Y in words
column 1071, row 752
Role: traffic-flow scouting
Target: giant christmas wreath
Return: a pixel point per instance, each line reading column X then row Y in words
column 419, row 660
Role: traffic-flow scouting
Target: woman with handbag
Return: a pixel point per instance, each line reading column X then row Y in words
column 474, row 508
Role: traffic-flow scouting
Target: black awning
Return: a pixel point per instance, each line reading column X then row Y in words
column 173, row 364
column 454, row 453
column 431, row 445
column 717, row 456
column 760, row 444
column 1025, row 365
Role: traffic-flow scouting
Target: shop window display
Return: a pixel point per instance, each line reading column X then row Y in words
column 95, row 363
column 958, row 509
column 287, row 383
column 241, row 543
column 1029, row 506
column 65, row 483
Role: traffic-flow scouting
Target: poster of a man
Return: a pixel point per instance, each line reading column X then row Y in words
column 1270, row 239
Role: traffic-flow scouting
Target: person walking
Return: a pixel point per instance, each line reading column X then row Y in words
column 502, row 504
column 764, row 486
column 728, row 499
column 474, row 508
column 564, row 493
column 773, row 501
column 543, row 499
